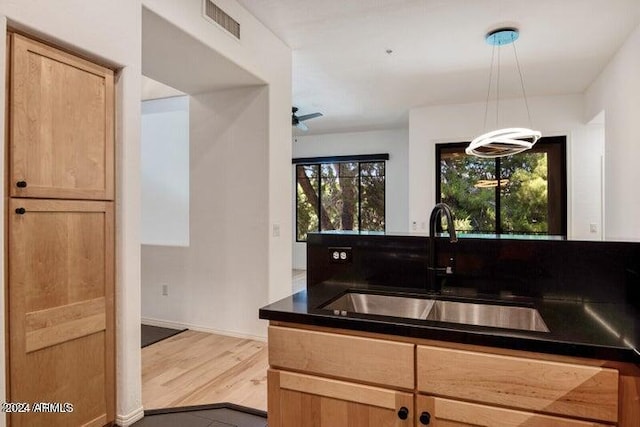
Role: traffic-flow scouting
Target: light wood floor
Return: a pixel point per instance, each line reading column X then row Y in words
column 298, row 280
column 194, row 368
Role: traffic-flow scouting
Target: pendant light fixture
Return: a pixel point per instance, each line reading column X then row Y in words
column 507, row 141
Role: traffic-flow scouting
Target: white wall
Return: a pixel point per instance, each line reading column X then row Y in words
column 108, row 31
column 165, row 171
column 218, row 283
column 152, row 89
column 394, row 141
column 556, row 115
column 264, row 55
column 617, row 92
column 587, row 182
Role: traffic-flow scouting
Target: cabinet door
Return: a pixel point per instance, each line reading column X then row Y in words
column 437, row 412
column 562, row 389
column 61, row 124
column 297, row 400
column 61, row 310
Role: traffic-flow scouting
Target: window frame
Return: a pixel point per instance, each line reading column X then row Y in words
column 556, row 187
column 319, row 161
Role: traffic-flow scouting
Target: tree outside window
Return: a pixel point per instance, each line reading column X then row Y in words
column 520, row 194
column 344, row 195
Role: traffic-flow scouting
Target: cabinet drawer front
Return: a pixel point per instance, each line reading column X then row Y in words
column 341, row 390
column 445, row 412
column 360, row 359
column 552, row 387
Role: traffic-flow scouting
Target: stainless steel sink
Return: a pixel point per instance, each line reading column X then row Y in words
column 492, row 315
column 498, row 316
column 383, row 305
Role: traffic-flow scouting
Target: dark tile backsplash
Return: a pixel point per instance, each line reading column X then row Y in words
column 577, row 270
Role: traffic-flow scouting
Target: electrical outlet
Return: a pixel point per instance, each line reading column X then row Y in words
column 165, row 290
column 593, row 228
column 341, row 255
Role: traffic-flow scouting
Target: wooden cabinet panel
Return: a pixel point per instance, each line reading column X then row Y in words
column 451, row 413
column 551, row 387
column 61, row 309
column 61, row 124
column 361, row 359
column 297, row 400
column 630, row 399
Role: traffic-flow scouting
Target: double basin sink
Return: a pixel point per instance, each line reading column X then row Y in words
column 492, row 315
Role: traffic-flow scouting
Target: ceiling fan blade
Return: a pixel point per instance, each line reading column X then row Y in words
column 309, row 116
column 302, row 126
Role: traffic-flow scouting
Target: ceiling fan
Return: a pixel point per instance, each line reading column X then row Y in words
column 297, row 121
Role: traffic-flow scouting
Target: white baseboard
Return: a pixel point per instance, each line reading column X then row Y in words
column 130, row 418
column 200, row 328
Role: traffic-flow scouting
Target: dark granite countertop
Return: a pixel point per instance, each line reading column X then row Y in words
column 576, row 327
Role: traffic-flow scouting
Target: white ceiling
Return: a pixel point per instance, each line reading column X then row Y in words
column 340, row 66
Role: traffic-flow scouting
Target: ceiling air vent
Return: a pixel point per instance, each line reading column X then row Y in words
column 220, row 17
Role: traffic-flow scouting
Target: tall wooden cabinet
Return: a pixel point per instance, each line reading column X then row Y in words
column 60, row 251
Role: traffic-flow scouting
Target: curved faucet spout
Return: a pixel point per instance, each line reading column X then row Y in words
column 443, row 208
column 432, row 267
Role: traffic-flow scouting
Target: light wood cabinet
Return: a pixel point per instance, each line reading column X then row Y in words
column 537, row 385
column 61, row 312
column 297, row 400
column 60, row 228
column 451, row 413
column 373, row 361
column 323, row 376
column 61, row 124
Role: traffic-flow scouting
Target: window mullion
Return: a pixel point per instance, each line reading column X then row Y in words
column 498, row 227
column 359, row 196
column 384, row 195
column 319, row 172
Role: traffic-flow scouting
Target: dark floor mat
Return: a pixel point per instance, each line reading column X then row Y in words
column 216, row 415
column 153, row 334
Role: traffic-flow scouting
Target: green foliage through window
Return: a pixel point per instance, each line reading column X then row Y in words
column 340, row 196
column 520, row 194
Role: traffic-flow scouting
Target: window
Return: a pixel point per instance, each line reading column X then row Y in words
column 521, row 194
column 340, row 193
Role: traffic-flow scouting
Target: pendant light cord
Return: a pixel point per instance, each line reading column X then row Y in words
column 498, row 89
column 486, row 104
column 524, row 94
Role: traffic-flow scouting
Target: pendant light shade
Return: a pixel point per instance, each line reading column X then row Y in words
column 507, row 141
column 503, row 142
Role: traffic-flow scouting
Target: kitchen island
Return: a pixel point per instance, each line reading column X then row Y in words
column 341, row 367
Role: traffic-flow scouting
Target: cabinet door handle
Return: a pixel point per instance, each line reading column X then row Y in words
column 21, row 211
column 403, row 413
column 425, row 418
column 21, row 184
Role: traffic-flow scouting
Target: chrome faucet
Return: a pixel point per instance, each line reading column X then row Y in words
column 432, row 266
